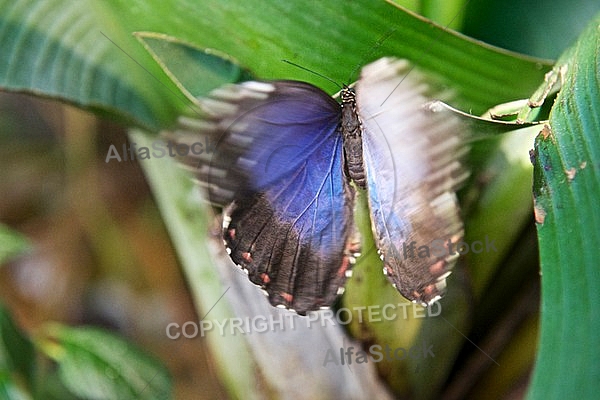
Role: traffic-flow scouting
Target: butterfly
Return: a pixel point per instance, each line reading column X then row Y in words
column 288, row 162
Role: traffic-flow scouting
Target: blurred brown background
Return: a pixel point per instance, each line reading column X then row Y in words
column 101, row 254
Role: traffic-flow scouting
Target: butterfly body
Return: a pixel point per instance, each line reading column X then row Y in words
column 285, row 157
column 351, row 131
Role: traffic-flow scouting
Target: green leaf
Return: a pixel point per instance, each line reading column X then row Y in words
column 84, row 51
column 449, row 13
column 566, row 190
column 508, row 170
column 79, row 52
column 9, row 390
column 188, row 224
column 12, row 243
column 17, row 357
column 184, row 63
column 95, row 364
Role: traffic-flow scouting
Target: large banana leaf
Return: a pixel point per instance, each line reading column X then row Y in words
column 567, row 209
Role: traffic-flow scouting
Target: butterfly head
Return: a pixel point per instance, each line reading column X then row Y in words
column 348, row 96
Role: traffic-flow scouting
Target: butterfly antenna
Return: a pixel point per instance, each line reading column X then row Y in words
column 313, row 72
column 376, row 46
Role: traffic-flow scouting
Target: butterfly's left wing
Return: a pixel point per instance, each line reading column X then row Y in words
column 411, row 158
column 277, row 162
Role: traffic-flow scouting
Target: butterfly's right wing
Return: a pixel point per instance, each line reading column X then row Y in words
column 277, row 167
column 411, row 158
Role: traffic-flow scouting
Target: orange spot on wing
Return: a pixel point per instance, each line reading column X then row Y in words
column 247, row 257
column 287, row 297
column 344, row 267
column 437, row 268
column 429, row 290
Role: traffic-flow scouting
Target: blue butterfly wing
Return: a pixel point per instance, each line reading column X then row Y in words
column 411, row 159
column 277, row 163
